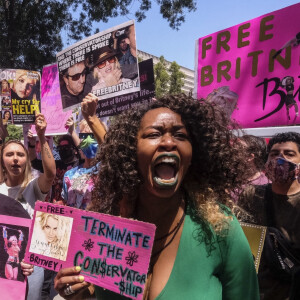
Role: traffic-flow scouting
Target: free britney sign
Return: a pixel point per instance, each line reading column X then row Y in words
column 113, row 252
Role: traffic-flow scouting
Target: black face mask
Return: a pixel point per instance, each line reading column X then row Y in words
column 66, row 154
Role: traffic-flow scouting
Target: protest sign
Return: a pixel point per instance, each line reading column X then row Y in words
column 51, row 102
column 116, row 105
column 104, row 64
column 13, row 240
column 20, row 96
column 258, row 62
column 112, row 252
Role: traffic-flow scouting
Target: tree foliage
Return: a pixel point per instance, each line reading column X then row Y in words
column 176, row 78
column 31, row 29
column 161, row 78
column 14, row 132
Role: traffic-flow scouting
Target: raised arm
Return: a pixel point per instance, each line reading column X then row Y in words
column 72, row 132
column 88, row 110
column 31, row 145
column 45, row 179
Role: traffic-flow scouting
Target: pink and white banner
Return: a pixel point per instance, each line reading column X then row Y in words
column 253, row 69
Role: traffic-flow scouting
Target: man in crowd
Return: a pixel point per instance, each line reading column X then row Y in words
column 72, row 89
column 277, row 206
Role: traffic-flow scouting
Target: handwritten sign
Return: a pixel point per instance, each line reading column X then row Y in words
column 113, row 252
column 259, row 61
column 14, row 234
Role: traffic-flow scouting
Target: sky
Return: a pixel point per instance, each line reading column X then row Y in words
column 155, row 36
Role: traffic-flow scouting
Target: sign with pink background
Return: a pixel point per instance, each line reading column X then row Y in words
column 257, row 64
column 12, row 281
column 113, row 252
column 51, row 105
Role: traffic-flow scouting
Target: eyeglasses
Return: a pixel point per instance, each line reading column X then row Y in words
column 103, row 64
column 77, row 76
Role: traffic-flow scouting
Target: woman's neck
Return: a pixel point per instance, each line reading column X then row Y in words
column 163, row 212
column 88, row 162
column 12, row 181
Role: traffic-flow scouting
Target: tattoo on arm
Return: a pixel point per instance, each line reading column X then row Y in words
column 47, row 151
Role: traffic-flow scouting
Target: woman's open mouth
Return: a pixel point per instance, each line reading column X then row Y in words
column 165, row 170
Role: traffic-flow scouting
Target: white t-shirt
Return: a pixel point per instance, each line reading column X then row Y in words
column 30, row 195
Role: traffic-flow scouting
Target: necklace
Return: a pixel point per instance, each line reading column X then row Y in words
column 174, row 231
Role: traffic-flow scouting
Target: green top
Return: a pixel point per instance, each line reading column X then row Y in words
column 224, row 272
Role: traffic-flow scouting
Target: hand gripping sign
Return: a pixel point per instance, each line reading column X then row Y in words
column 113, row 252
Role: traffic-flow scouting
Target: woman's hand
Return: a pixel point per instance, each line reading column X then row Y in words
column 69, row 283
column 70, row 124
column 89, row 106
column 27, row 269
column 40, row 125
column 31, row 138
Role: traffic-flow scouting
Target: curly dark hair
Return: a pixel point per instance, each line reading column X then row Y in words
column 283, row 138
column 257, row 146
column 217, row 165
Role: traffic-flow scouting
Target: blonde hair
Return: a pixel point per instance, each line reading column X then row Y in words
column 20, row 73
column 96, row 73
column 60, row 245
column 27, row 171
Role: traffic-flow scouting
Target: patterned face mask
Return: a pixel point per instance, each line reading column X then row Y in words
column 281, row 170
column 89, row 147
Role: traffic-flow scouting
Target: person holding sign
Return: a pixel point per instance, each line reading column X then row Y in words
column 18, row 184
column 173, row 164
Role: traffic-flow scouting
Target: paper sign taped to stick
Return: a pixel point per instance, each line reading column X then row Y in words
column 113, row 252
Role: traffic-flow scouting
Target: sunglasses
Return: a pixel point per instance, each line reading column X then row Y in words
column 77, row 76
column 64, row 147
column 103, row 64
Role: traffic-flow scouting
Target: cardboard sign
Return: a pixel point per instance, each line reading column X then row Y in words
column 113, row 252
column 14, row 234
column 259, row 61
column 104, row 64
column 51, row 102
column 20, row 96
column 255, row 235
column 115, row 105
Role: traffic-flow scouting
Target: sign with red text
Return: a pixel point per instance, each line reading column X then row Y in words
column 113, row 252
column 252, row 69
column 14, row 234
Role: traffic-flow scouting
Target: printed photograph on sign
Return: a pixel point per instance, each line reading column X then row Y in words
column 6, row 116
column 104, row 64
column 252, row 69
column 13, row 241
column 113, row 252
column 51, row 235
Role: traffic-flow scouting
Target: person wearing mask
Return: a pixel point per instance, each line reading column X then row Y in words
column 69, row 158
column 277, row 206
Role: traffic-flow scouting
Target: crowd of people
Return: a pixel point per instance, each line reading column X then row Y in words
column 175, row 163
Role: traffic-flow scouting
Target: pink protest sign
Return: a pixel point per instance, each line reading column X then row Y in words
column 113, row 252
column 253, row 68
column 51, row 102
column 14, row 234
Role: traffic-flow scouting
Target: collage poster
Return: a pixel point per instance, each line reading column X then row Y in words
column 20, row 96
column 104, row 64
